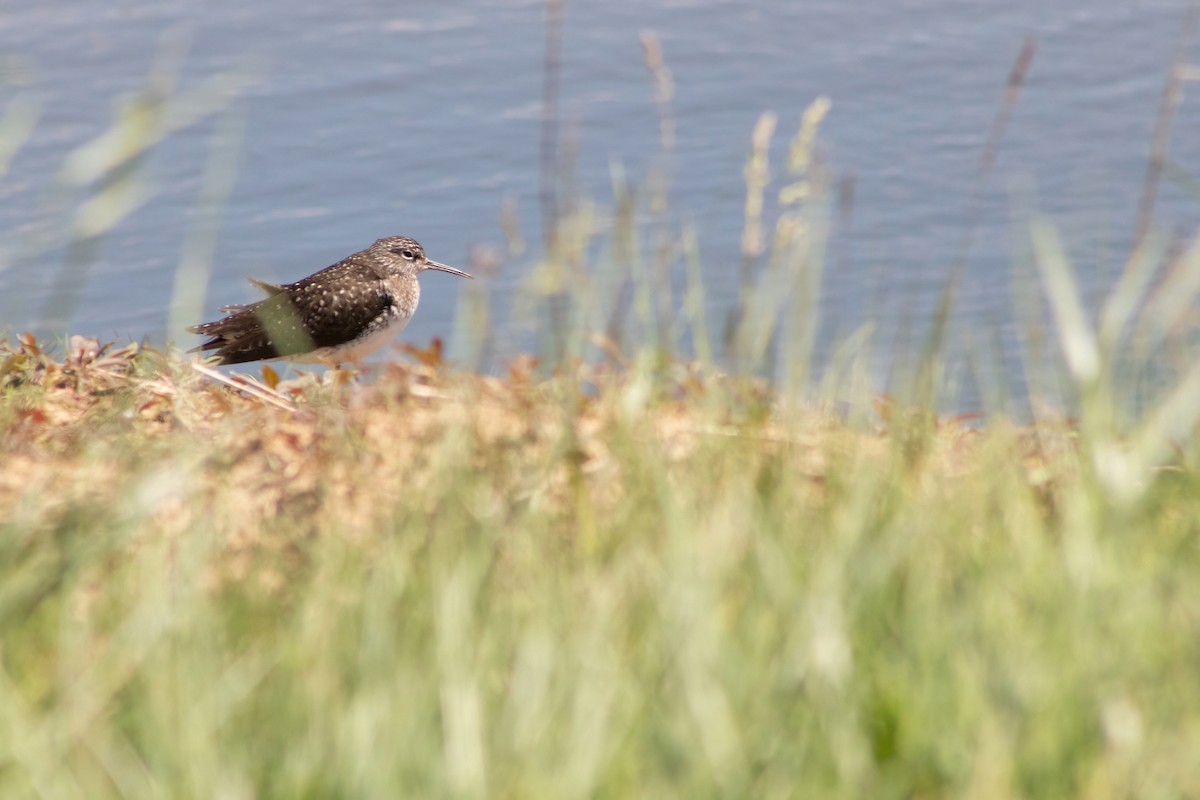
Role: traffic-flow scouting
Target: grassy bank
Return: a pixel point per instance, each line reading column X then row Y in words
column 649, row 581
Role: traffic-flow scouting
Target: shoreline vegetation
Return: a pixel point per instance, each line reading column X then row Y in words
column 619, row 571
column 631, row 580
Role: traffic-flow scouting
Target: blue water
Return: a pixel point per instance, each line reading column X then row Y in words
column 364, row 119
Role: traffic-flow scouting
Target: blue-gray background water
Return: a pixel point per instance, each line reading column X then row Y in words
column 369, row 118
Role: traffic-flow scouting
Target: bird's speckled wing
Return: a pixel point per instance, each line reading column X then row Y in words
column 332, row 307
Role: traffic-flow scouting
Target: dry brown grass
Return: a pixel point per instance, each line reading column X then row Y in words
column 275, row 462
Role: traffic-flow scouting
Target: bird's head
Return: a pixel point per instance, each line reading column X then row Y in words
column 406, row 255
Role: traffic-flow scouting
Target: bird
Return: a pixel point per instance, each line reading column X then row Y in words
column 342, row 313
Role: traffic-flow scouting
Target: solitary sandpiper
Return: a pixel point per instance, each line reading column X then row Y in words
column 343, row 313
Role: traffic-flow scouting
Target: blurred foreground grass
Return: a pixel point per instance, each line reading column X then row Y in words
column 653, row 581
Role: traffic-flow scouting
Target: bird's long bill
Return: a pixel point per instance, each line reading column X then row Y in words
column 429, row 264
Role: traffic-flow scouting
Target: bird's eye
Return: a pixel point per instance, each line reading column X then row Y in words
column 407, row 254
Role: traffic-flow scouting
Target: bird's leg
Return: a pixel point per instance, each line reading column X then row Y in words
column 342, row 376
column 333, row 368
column 356, row 369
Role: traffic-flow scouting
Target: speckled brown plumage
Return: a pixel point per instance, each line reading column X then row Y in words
column 342, row 313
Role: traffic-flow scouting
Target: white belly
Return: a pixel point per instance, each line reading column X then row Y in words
column 355, row 351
